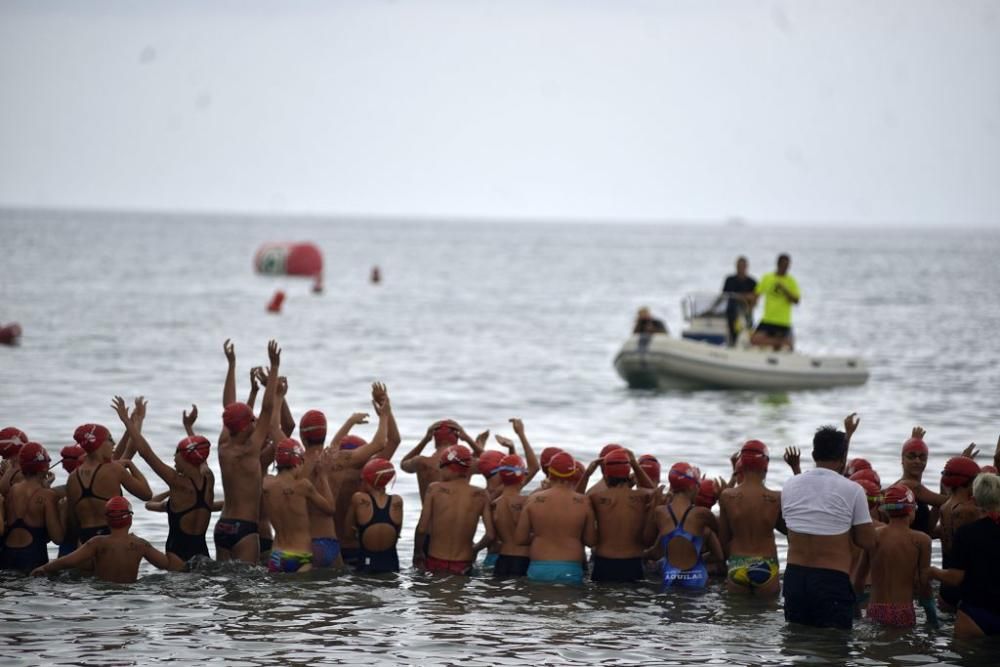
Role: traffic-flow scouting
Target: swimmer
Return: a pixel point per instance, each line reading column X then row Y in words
column 512, row 558
column 901, row 557
column 451, row 513
column 376, row 518
column 960, row 509
column 679, row 541
column 914, row 459
column 445, row 433
column 749, row 513
column 115, row 555
column 191, row 484
column 98, row 479
column 489, row 467
column 242, row 438
column 73, row 457
column 594, row 465
column 322, row 527
column 349, row 454
column 32, row 514
column 621, row 512
column 557, row 523
column 287, row 497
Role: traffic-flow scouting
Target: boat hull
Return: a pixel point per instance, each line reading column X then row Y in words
column 662, row 362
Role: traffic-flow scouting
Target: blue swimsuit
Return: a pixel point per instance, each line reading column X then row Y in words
column 694, row 577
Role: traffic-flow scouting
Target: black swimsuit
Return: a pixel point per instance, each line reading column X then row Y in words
column 88, row 492
column 386, row 560
column 184, row 545
column 30, row 556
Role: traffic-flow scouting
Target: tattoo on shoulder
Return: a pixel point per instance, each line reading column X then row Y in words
column 579, row 500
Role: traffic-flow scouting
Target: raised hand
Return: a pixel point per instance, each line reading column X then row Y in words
column 189, row 419
column 851, row 422
column 230, row 351
column 918, row 433
column 505, row 442
column 139, row 413
column 734, row 458
column 118, row 405
column 482, row 438
column 970, row 452
column 282, row 387
column 255, row 373
column 379, row 392
column 792, row 458
column 359, row 418
column 273, row 353
column 517, row 425
column 262, row 374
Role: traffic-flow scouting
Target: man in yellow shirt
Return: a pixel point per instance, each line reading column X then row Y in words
column 780, row 292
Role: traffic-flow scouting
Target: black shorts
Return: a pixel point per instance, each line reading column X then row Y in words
column 818, row 597
column 229, row 532
column 511, row 566
column 622, row 570
column 774, row 330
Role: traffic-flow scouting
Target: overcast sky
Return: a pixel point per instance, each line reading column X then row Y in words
column 842, row 110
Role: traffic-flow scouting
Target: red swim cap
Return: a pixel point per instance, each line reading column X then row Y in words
column 898, row 501
column 312, row 428
column 91, row 437
column 511, row 469
column 914, row 445
column 456, row 458
column 488, row 462
column 546, row 458
column 959, row 471
column 72, row 457
column 989, row 469
column 607, row 449
column 11, row 440
column 446, row 434
column 237, row 417
column 868, row 474
column 118, row 512
column 33, row 459
column 856, row 465
column 352, row 442
column 378, row 472
column 651, row 466
column 561, row 466
column 194, row 449
column 753, row 457
column 683, row 477
column 706, row 494
column 872, row 491
column 616, row 464
column 290, row 453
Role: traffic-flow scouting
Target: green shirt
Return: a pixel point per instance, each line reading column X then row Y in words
column 777, row 307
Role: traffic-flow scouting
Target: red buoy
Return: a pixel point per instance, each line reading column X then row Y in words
column 376, row 276
column 289, row 259
column 10, row 334
column 276, row 301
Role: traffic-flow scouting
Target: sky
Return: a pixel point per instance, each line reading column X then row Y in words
column 815, row 112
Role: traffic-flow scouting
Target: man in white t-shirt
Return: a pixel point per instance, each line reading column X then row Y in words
column 826, row 514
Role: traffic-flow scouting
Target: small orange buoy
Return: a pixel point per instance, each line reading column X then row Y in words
column 10, row 334
column 276, row 301
column 376, row 276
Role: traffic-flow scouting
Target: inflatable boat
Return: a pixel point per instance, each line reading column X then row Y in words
column 700, row 359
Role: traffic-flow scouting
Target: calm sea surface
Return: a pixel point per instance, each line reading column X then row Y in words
column 478, row 322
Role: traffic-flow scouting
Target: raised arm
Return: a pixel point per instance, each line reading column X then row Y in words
column 641, row 478
column 229, row 389
column 529, row 453
column 851, row 423
column 410, row 462
column 267, row 405
column 792, row 458
column 476, row 445
column 360, row 456
column 138, row 418
column 380, row 399
column 255, row 373
column 162, row 470
column 581, row 486
column 317, row 499
column 189, row 419
column 352, row 421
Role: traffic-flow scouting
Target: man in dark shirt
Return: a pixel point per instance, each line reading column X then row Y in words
column 645, row 323
column 739, row 288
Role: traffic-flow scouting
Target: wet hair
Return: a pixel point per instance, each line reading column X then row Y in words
column 829, row 444
column 986, row 491
column 784, row 257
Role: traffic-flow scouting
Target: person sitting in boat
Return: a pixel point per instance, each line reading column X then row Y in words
column 645, row 323
column 780, row 292
column 738, row 290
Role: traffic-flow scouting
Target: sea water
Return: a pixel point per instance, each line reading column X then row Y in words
column 479, row 322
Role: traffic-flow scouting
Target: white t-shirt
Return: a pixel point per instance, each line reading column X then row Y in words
column 822, row 502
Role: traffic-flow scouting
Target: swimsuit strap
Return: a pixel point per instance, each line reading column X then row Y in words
column 673, row 516
column 88, row 491
column 199, row 502
column 684, row 518
column 379, row 515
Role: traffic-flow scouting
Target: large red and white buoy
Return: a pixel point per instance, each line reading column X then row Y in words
column 289, row 259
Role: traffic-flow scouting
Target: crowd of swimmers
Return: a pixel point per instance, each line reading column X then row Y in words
column 855, row 545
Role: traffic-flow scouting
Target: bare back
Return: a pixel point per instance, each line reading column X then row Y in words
column 749, row 514
column 344, row 480
column 506, row 513
column 896, row 562
column 621, row 517
column 455, row 508
column 239, row 464
column 117, row 558
column 103, row 481
column 284, row 498
column 29, row 502
column 560, row 522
